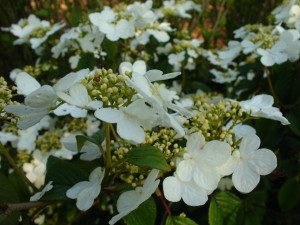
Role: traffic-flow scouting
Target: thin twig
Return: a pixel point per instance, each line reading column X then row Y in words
column 9, row 208
column 15, row 167
column 159, row 194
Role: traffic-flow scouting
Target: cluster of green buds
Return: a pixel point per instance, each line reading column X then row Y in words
column 76, row 125
column 5, row 96
column 38, row 69
column 49, row 141
column 40, row 32
column 213, row 113
column 264, row 35
column 109, row 87
column 122, row 13
column 165, row 140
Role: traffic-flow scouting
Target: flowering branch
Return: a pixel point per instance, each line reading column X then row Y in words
column 16, row 168
column 108, row 153
column 9, row 208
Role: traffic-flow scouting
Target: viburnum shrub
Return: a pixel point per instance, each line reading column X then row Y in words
column 127, row 118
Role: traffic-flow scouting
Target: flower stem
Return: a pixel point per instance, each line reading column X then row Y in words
column 159, row 194
column 107, row 153
column 15, row 167
column 272, row 88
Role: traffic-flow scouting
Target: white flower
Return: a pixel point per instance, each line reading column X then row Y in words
column 248, row 46
column 7, row 137
column 176, row 189
column 86, row 191
column 38, row 104
column 240, row 130
column 89, row 150
column 70, row 79
column 200, row 161
column 158, row 96
column 224, row 77
column 291, row 39
column 180, row 8
column 26, row 84
column 261, row 106
column 130, row 200
column 247, row 164
column 36, row 42
column 130, row 120
column 230, row 53
column 78, row 96
column 37, row 196
column 36, row 169
column 176, row 59
column 294, row 15
column 142, row 13
column 273, row 55
column 282, row 12
column 138, row 66
column 114, row 30
column 225, row 184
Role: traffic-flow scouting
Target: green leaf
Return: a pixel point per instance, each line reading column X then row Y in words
column 75, row 16
column 111, row 48
column 215, row 216
column 8, row 194
column 147, row 156
column 64, row 175
column 145, row 214
column 223, row 208
column 96, row 138
column 179, row 220
column 253, row 208
column 293, row 117
column 80, row 140
column 20, row 186
column 289, row 195
column 87, row 60
column 7, row 190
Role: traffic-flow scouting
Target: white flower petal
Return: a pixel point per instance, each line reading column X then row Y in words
column 130, row 130
column 193, row 195
column 206, row 176
column 185, row 170
column 109, row 115
column 263, row 161
column 43, row 97
column 195, row 142
column 28, row 116
column 74, row 191
column 172, row 189
column 249, row 144
column 26, row 84
column 244, row 178
column 216, row 152
column 85, row 198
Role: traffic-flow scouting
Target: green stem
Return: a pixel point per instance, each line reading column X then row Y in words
column 114, row 133
column 108, row 152
column 15, row 167
column 271, row 87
